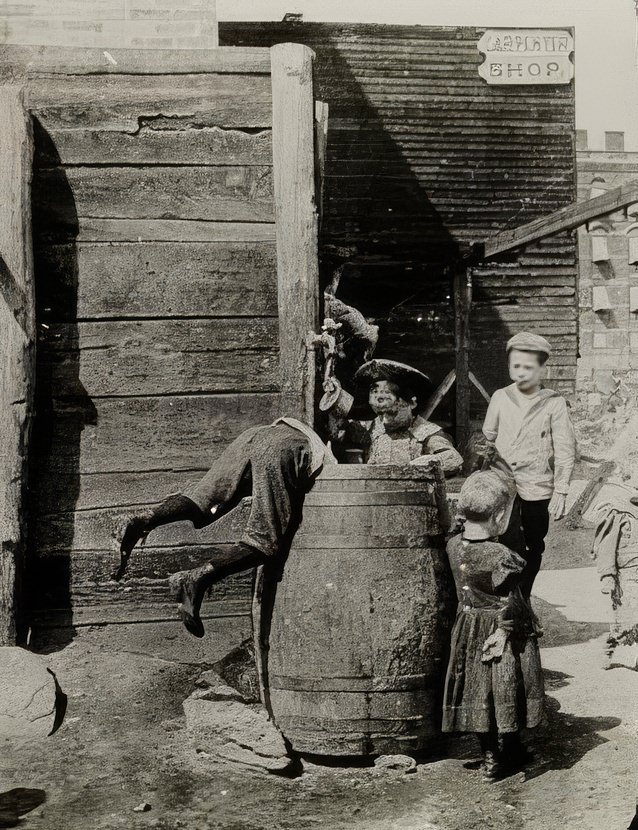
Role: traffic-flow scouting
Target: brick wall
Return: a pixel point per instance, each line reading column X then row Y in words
column 607, row 369
column 135, row 24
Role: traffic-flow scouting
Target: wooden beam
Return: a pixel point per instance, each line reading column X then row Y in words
column 321, row 146
column 296, row 220
column 441, row 391
column 63, row 60
column 17, row 347
column 565, row 219
column 462, row 305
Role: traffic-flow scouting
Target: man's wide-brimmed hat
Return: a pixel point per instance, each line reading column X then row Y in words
column 405, row 377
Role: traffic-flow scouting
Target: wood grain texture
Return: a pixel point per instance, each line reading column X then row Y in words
column 95, row 530
column 202, row 145
column 160, row 357
column 157, row 230
column 64, row 60
column 91, row 491
column 297, row 221
column 228, row 194
column 129, row 102
column 17, row 347
column 147, row 433
column 564, row 219
column 72, row 576
column 237, row 612
column 137, row 280
column 462, row 347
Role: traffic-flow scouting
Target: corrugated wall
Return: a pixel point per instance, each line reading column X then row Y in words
column 423, row 158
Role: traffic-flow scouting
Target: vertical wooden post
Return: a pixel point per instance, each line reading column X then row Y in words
column 462, row 306
column 17, row 346
column 293, row 139
column 321, row 147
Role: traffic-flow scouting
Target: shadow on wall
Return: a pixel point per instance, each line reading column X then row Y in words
column 63, row 407
column 379, row 222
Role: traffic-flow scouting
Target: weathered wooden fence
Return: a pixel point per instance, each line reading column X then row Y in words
column 17, row 349
column 161, row 315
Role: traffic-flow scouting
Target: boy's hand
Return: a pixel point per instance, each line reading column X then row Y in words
column 557, row 505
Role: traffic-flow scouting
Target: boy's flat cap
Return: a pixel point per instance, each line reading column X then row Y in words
column 527, row 341
column 400, row 373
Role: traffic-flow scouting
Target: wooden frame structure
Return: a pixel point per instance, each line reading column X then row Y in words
column 17, row 347
column 565, row 219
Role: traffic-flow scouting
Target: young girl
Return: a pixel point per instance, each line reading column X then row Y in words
column 494, row 682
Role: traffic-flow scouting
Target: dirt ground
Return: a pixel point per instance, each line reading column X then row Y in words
column 123, row 743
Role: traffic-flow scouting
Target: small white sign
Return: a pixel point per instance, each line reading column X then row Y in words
column 526, row 56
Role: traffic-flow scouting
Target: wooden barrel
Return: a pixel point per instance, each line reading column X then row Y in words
column 361, row 617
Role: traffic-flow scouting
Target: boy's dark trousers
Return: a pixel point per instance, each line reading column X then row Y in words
column 269, row 463
column 525, row 534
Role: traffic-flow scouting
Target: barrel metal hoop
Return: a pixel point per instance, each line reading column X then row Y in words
column 389, row 683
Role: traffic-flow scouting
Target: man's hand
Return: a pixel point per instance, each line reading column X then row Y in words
column 557, row 506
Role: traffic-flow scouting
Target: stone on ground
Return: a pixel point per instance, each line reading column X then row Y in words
column 235, row 732
column 28, row 695
column 395, row 763
column 239, row 670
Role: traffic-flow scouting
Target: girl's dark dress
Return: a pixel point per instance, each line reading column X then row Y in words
column 507, row 693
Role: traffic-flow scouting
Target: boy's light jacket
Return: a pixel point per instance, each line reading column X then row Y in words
column 539, row 445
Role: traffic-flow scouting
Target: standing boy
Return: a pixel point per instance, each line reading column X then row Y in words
column 532, row 431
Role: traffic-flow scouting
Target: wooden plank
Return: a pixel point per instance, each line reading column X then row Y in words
column 94, row 530
column 478, row 385
column 65, row 60
column 321, row 147
column 160, row 230
column 54, row 491
column 202, row 145
column 462, row 309
column 17, row 347
column 440, row 392
column 567, row 218
column 129, row 102
column 239, row 194
column 126, row 613
column 297, row 221
column 96, row 280
column 146, row 433
column 159, row 357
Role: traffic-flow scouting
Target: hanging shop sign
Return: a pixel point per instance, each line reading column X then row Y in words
column 526, row 56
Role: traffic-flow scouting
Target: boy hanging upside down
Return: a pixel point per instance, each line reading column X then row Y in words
column 277, row 465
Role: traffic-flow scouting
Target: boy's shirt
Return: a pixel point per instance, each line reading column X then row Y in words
column 535, row 438
column 420, row 438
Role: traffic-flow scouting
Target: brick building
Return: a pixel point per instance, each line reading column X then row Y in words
column 136, row 24
column 607, row 372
